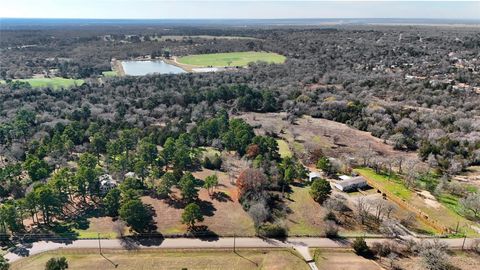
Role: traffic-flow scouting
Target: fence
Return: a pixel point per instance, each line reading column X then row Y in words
column 405, row 205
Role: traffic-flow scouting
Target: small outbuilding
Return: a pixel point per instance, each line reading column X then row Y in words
column 107, row 183
column 351, row 184
column 130, row 175
column 313, row 175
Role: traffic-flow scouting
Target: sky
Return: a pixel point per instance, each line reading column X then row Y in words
column 237, row 9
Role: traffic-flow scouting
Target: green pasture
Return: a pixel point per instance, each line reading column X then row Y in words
column 55, row 83
column 230, row 59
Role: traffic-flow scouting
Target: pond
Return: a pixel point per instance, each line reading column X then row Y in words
column 141, row 68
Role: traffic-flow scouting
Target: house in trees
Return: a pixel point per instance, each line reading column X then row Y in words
column 130, row 175
column 106, row 183
column 313, row 175
column 351, row 184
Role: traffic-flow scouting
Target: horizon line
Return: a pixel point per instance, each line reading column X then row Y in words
column 294, row 18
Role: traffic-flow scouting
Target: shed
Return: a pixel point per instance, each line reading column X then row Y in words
column 351, row 184
column 106, row 183
column 313, row 175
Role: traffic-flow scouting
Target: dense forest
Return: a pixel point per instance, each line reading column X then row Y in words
column 417, row 88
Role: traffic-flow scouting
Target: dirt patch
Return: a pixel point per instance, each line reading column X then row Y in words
column 429, row 199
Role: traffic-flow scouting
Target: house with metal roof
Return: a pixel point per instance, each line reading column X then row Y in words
column 351, row 184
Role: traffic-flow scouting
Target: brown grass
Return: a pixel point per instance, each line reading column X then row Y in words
column 343, row 260
column 461, row 261
column 335, row 139
column 223, row 214
column 168, row 259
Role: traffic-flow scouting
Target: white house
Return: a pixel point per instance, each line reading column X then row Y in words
column 130, row 175
column 351, row 184
column 313, row 175
column 106, row 183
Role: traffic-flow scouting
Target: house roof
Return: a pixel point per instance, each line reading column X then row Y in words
column 352, row 181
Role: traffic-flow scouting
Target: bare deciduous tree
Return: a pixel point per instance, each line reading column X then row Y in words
column 363, row 207
column 434, row 255
column 259, row 213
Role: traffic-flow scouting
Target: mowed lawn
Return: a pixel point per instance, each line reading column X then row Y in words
column 284, row 149
column 55, row 83
column 230, row 59
column 391, row 184
column 306, row 216
column 168, row 259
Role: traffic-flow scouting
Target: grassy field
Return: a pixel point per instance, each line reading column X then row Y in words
column 163, row 38
column 445, row 215
column 223, row 213
column 284, row 149
column 230, row 59
column 306, row 217
column 342, row 259
column 110, row 73
column 169, row 259
column 392, row 184
column 55, row 83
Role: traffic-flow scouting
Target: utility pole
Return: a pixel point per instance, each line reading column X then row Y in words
column 234, row 243
column 99, row 244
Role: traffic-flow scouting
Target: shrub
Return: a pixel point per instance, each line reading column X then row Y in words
column 271, row 230
column 361, row 248
column 212, row 163
column 330, row 216
column 57, row 264
column 331, row 229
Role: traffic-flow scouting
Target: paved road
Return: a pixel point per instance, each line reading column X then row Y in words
column 302, row 245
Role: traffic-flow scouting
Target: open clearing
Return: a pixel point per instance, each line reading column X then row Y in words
column 284, row 149
column 336, row 139
column 110, row 73
column 223, row 213
column 169, row 259
column 55, row 83
column 230, row 59
column 178, row 38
